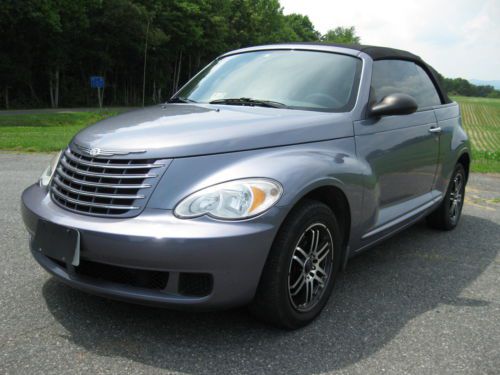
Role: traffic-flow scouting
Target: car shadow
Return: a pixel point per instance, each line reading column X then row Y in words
column 384, row 288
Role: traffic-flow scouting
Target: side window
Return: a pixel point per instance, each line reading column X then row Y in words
column 426, row 94
column 398, row 76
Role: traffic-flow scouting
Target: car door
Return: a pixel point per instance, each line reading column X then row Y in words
column 401, row 151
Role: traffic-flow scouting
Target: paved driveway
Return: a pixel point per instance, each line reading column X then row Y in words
column 424, row 302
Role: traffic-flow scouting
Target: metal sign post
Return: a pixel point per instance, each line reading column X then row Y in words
column 97, row 82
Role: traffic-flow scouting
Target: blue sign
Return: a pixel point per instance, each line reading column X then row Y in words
column 97, row 82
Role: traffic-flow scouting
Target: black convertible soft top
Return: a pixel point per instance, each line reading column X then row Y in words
column 386, row 53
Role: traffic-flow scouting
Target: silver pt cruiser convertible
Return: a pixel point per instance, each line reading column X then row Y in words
column 255, row 183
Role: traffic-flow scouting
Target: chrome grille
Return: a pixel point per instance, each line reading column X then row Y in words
column 104, row 186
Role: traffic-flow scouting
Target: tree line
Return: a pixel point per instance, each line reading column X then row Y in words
column 144, row 49
column 460, row 86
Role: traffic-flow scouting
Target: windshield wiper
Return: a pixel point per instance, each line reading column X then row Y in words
column 250, row 102
column 179, row 99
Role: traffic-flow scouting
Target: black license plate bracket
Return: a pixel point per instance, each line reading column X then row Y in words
column 57, row 242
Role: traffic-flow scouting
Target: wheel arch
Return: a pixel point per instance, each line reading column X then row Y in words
column 465, row 160
column 331, row 194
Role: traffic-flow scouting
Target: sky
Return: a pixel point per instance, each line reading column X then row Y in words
column 459, row 38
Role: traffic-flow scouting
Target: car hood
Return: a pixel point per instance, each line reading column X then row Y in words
column 179, row 130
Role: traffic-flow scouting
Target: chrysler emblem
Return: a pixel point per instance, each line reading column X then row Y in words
column 94, row 151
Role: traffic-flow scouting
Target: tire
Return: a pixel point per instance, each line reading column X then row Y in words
column 447, row 215
column 292, row 277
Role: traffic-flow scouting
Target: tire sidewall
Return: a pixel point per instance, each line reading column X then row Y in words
column 316, row 213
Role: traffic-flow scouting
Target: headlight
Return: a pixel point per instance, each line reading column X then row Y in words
column 49, row 171
column 237, row 199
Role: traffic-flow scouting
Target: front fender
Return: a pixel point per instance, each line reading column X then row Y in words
column 299, row 168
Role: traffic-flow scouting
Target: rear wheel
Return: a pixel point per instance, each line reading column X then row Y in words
column 447, row 215
column 299, row 274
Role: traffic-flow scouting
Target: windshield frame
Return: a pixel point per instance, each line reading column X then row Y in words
column 349, row 107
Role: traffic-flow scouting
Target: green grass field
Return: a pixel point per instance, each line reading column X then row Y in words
column 481, row 120
column 44, row 132
column 52, row 132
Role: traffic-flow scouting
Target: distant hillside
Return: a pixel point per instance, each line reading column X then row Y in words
column 494, row 83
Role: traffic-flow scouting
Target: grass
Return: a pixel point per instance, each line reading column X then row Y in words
column 44, row 132
column 481, row 120
column 52, row 132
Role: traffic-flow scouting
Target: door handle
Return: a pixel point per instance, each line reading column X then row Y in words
column 435, row 129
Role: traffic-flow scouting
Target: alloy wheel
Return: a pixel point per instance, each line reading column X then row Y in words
column 310, row 267
column 456, row 197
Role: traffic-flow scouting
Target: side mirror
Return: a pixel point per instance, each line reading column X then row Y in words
column 394, row 104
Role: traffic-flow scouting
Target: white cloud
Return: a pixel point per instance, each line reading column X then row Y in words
column 460, row 38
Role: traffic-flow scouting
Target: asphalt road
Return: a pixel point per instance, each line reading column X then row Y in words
column 424, row 302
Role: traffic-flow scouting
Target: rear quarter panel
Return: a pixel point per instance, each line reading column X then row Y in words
column 453, row 143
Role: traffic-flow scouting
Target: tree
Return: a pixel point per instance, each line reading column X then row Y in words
column 143, row 48
column 341, row 35
column 460, row 86
column 299, row 28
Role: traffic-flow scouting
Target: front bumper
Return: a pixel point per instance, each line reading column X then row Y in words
column 233, row 253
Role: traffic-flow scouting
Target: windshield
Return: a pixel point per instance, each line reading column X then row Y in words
column 295, row 79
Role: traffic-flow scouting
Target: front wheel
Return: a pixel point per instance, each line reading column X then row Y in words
column 447, row 215
column 299, row 274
